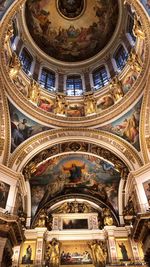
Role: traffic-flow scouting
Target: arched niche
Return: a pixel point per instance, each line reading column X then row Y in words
column 120, row 148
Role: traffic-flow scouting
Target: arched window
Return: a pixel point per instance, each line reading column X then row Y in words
column 120, row 57
column 100, row 77
column 26, row 60
column 74, row 85
column 130, row 27
column 47, row 79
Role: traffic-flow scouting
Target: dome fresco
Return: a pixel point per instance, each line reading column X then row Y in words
column 70, row 30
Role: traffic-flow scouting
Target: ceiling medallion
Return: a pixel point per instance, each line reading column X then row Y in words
column 71, row 9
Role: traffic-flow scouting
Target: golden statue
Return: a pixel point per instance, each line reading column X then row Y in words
column 137, row 29
column 134, row 61
column 99, row 252
column 89, row 104
column 34, row 91
column 42, row 218
column 53, row 253
column 116, row 88
column 14, row 66
column 108, row 220
column 60, row 105
column 10, row 32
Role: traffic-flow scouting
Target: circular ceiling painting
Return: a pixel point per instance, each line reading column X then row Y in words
column 70, row 30
column 70, row 8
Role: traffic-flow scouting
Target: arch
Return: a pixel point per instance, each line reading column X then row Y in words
column 26, row 151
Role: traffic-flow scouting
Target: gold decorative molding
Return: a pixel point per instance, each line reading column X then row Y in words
column 4, row 126
column 115, row 144
column 89, row 121
column 145, row 123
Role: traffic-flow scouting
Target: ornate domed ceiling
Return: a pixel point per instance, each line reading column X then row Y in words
column 70, row 30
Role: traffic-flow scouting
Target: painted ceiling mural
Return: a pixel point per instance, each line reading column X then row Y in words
column 4, row 5
column 70, row 8
column 127, row 126
column 22, row 127
column 146, row 4
column 69, row 39
column 75, row 174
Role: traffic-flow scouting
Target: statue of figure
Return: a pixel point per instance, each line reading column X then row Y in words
column 52, row 253
column 10, row 32
column 14, row 66
column 60, row 105
column 116, row 88
column 137, row 29
column 99, row 252
column 64, row 208
column 134, row 61
column 34, row 91
column 108, row 220
column 42, row 218
column 89, row 104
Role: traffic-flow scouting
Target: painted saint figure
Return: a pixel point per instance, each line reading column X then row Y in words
column 27, row 257
column 75, row 172
column 124, row 252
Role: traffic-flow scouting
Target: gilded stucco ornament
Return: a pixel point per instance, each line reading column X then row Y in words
column 137, row 28
column 93, row 118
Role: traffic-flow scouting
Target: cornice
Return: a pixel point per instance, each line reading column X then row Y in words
column 11, row 173
column 142, row 170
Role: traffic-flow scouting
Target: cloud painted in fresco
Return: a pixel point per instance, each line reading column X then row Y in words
column 127, row 126
column 22, row 127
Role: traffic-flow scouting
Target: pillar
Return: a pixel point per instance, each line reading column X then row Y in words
column 39, row 246
column 36, row 69
column 111, row 243
column 60, row 82
column 87, row 81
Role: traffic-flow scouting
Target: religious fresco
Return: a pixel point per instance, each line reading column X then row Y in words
column 46, row 104
column 124, row 249
column 146, row 4
column 127, row 126
column 22, row 127
column 69, row 224
column 70, row 8
column 75, row 40
column 4, row 190
column 129, row 81
column 69, row 174
column 75, row 110
column 75, row 253
column 4, row 5
column 27, row 254
column 105, row 102
column 147, row 190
